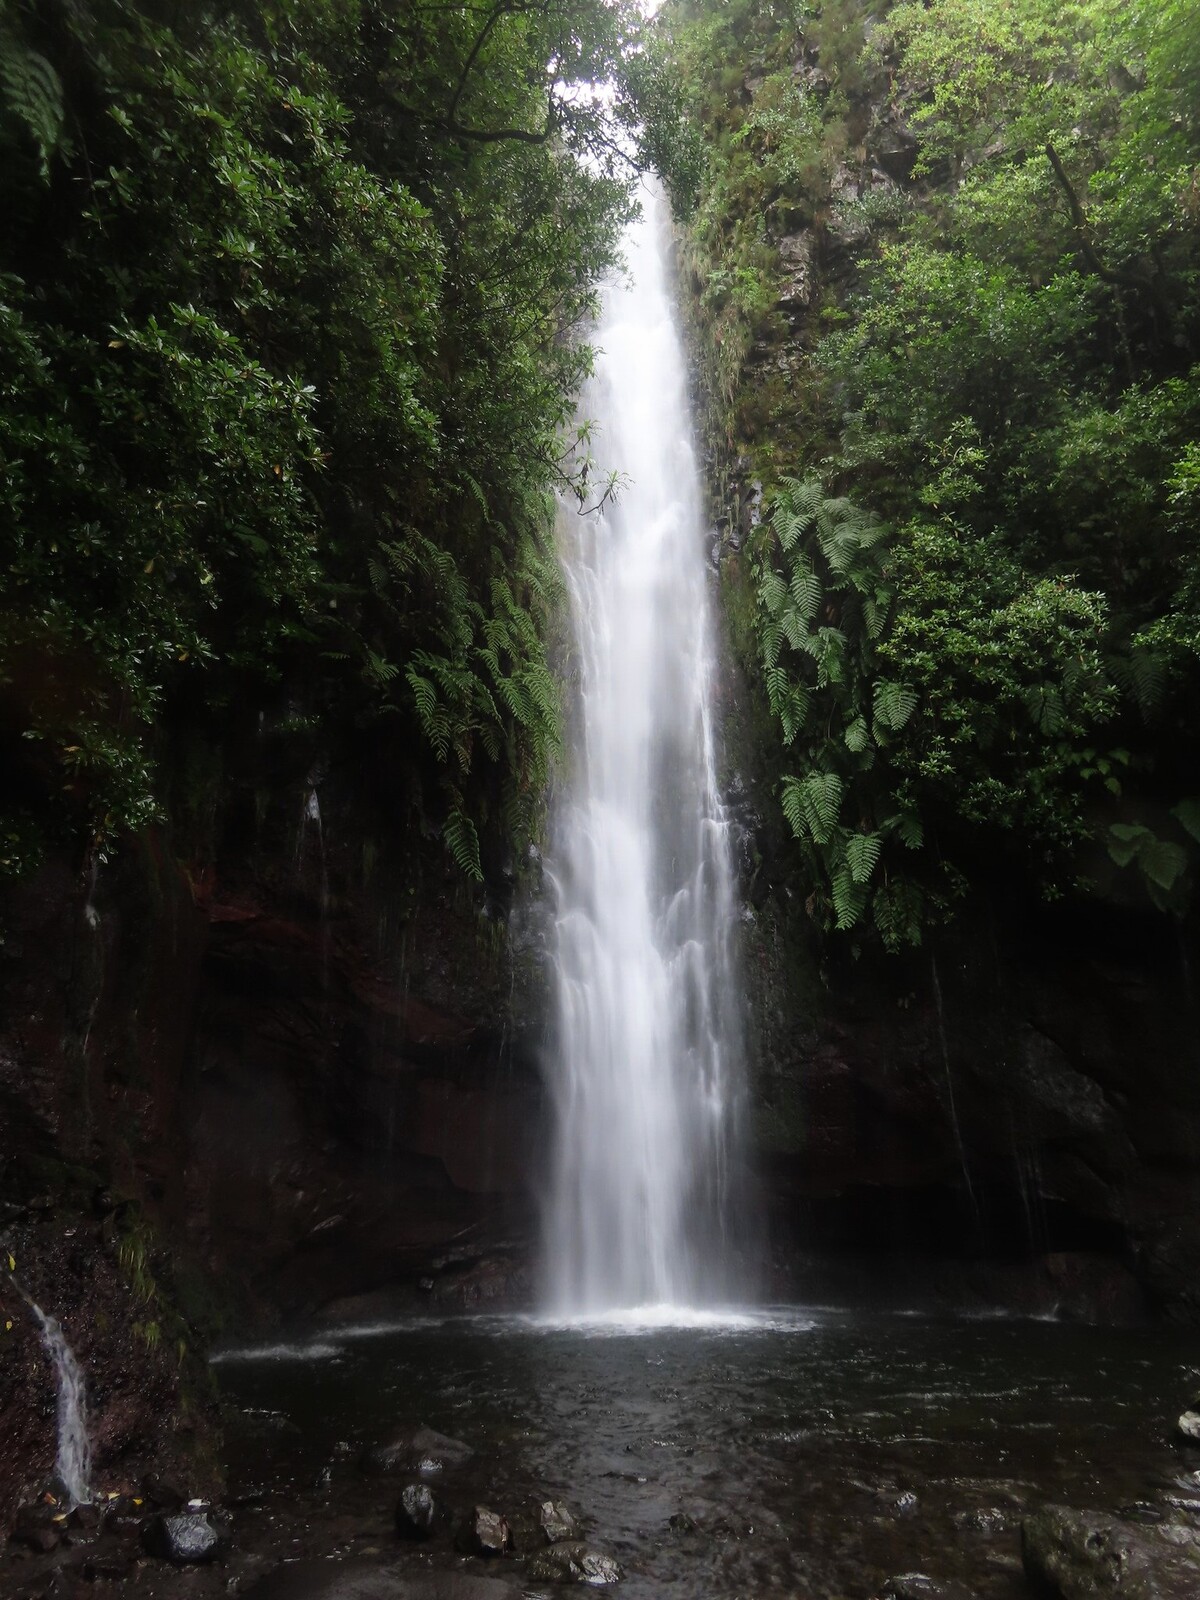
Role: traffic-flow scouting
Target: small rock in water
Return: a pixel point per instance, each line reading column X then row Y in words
column 1144, row 1511
column 416, row 1511
column 919, row 1586
column 185, row 1538
column 556, row 1522
column 489, row 1533
column 905, row 1503
column 423, row 1450
column 983, row 1519
column 574, row 1563
column 1188, row 1426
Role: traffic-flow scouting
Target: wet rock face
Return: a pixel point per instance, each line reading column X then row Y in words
column 1033, row 1104
column 1085, row 1555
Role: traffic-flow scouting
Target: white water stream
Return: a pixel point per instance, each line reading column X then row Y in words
column 648, row 1036
column 73, row 1462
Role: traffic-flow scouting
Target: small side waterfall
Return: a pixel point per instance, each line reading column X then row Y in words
column 73, row 1463
column 648, row 1036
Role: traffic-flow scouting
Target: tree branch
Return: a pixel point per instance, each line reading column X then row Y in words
column 1128, row 280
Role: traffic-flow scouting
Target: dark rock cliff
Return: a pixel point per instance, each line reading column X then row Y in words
column 243, row 1083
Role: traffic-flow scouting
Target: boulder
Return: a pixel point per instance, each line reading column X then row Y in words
column 185, row 1538
column 573, row 1563
column 422, row 1450
column 40, row 1527
column 1188, row 1426
column 556, row 1522
column 488, row 1533
column 1085, row 1555
column 416, row 1512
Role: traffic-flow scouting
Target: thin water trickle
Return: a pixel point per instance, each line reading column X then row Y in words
column 647, row 1039
column 73, row 1460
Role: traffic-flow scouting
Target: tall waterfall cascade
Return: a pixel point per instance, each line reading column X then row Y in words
column 648, row 1040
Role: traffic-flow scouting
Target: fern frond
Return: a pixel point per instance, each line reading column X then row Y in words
column 893, row 704
column 862, row 855
column 33, row 92
column 462, row 841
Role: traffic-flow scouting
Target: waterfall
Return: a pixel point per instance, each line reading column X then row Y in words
column 647, row 1046
column 73, row 1462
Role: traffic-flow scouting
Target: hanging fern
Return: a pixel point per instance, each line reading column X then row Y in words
column 462, row 841
column 862, row 855
column 32, row 92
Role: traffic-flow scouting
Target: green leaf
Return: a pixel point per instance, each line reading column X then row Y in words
column 1126, row 840
column 1163, row 863
column 1187, row 812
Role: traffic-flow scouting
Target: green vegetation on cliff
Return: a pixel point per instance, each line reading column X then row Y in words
column 290, row 310
column 944, row 267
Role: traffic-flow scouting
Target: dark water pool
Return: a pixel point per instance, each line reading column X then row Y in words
column 801, row 1453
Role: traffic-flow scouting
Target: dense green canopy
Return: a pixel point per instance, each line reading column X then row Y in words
column 946, row 263
column 293, row 303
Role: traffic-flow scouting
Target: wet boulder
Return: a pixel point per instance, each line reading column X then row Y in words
column 421, row 1450
column 185, row 1538
column 487, row 1533
column 556, row 1522
column 573, row 1563
column 1188, row 1426
column 1085, row 1555
column 416, row 1512
column 40, row 1527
